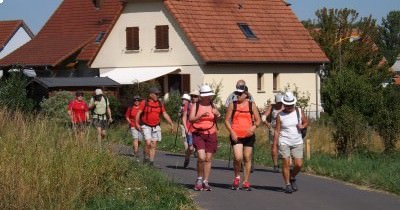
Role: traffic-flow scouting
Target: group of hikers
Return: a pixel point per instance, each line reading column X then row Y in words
column 284, row 121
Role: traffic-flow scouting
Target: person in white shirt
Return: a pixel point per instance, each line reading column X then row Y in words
column 288, row 138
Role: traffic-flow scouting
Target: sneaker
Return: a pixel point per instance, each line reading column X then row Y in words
column 235, row 184
column 276, row 169
column 246, row 186
column 288, row 189
column 206, row 186
column 186, row 163
column 293, row 184
column 198, row 186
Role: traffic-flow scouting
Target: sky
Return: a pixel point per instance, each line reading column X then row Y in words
column 35, row 13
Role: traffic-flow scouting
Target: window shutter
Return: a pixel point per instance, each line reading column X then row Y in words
column 162, row 39
column 185, row 83
column 132, row 38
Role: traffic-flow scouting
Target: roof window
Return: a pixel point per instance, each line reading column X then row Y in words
column 97, row 3
column 247, row 31
column 100, row 37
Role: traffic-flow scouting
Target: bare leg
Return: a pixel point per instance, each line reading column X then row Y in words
column 201, row 158
column 285, row 170
column 247, row 154
column 207, row 165
column 237, row 158
column 153, row 147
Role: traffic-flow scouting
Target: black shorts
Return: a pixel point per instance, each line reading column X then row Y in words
column 247, row 142
column 99, row 123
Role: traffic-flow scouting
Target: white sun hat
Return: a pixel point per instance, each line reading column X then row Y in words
column 98, row 92
column 205, row 90
column 194, row 93
column 289, row 99
column 278, row 98
column 186, row 96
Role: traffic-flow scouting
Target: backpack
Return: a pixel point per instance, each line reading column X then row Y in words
column 144, row 113
column 94, row 107
column 235, row 109
column 304, row 130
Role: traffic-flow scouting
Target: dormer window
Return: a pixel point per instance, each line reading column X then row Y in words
column 247, row 31
column 97, row 3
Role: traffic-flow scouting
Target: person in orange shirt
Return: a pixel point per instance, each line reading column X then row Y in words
column 78, row 112
column 241, row 120
column 148, row 122
column 203, row 117
column 130, row 117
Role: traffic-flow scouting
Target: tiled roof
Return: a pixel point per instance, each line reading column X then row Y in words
column 212, row 27
column 71, row 30
column 51, row 82
column 8, row 29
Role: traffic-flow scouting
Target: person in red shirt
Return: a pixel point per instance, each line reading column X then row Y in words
column 130, row 117
column 149, row 123
column 78, row 111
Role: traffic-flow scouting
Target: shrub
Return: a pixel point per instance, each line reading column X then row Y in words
column 13, row 93
column 173, row 105
column 55, row 107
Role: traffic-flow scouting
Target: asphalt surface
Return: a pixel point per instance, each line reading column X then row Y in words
column 267, row 189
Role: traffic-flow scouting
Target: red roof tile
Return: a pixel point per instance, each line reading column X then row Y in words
column 8, row 29
column 212, row 28
column 71, row 30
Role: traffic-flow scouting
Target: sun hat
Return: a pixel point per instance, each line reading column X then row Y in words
column 186, row 97
column 194, row 93
column 289, row 99
column 278, row 98
column 98, row 92
column 154, row 90
column 205, row 90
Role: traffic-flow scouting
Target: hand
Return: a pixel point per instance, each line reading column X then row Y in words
column 299, row 126
column 110, row 120
column 267, row 124
column 234, row 136
column 205, row 114
column 172, row 127
column 252, row 130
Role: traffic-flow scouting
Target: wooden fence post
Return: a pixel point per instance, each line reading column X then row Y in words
column 308, row 149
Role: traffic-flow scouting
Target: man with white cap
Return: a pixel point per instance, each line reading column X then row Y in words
column 100, row 106
column 270, row 115
column 288, row 139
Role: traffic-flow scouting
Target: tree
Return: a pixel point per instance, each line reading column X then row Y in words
column 389, row 36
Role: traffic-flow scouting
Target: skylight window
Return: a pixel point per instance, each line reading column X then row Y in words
column 100, row 37
column 247, row 31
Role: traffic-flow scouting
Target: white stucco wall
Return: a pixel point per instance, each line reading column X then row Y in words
column 20, row 38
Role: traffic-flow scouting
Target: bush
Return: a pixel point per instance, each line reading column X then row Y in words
column 55, row 107
column 173, row 105
column 13, row 93
column 350, row 130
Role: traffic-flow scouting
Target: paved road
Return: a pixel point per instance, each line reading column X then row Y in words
column 314, row 192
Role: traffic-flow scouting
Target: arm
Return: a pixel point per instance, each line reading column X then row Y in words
column 109, row 112
column 304, row 120
column 168, row 119
column 69, row 111
column 228, row 120
column 137, row 119
column 257, row 119
column 267, row 113
column 127, row 117
column 184, row 120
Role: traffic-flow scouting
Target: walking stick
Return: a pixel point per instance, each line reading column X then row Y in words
column 229, row 159
column 177, row 129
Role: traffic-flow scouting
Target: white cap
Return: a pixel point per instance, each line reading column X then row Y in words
column 186, row 96
column 98, row 92
column 289, row 99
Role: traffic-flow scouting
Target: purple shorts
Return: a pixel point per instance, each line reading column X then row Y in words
column 207, row 142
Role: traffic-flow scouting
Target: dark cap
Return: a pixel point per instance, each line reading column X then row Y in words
column 78, row 93
column 137, row 98
column 154, row 90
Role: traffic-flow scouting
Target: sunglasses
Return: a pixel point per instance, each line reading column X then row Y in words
column 239, row 93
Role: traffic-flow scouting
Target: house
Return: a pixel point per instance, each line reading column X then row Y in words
column 184, row 44
column 69, row 40
column 13, row 34
column 396, row 69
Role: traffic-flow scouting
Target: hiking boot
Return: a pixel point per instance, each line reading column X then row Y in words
column 293, row 184
column 246, row 186
column 146, row 161
column 206, row 186
column 198, row 186
column 288, row 189
column 186, row 163
column 235, row 184
column 276, row 169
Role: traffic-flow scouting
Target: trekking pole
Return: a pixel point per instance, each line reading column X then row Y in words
column 177, row 129
column 229, row 158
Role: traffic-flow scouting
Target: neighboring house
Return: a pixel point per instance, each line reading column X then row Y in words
column 69, row 40
column 209, row 41
column 396, row 69
column 13, row 34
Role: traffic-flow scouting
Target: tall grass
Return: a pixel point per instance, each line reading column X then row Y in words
column 45, row 166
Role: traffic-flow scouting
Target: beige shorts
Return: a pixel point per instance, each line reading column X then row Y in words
column 151, row 133
column 295, row 151
column 136, row 134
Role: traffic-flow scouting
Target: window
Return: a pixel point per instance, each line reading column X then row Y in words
column 260, row 82
column 162, row 39
column 247, row 31
column 100, row 37
column 132, row 38
column 275, row 81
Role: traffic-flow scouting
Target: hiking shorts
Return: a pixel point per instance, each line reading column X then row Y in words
column 151, row 133
column 247, row 141
column 79, row 126
column 296, row 151
column 99, row 123
column 136, row 134
column 207, row 142
column 189, row 139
